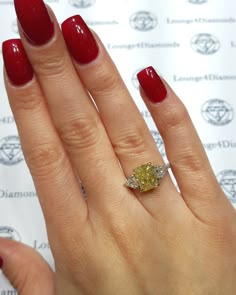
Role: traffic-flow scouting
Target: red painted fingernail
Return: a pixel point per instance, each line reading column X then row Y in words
column 1, row 262
column 152, row 85
column 79, row 39
column 17, row 65
column 34, row 20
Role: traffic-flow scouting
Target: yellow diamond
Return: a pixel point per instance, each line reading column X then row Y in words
column 146, row 177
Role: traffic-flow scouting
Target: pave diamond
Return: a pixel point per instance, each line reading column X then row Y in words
column 146, row 177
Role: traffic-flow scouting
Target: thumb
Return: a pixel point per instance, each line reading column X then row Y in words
column 27, row 271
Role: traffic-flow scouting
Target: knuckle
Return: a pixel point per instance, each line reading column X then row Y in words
column 50, row 65
column 27, row 277
column 105, row 82
column 131, row 142
column 21, row 280
column 175, row 117
column 80, row 133
column 190, row 161
column 28, row 102
column 44, row 158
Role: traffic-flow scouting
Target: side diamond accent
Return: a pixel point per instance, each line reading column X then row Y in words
column 132, row 182
column 161, row 170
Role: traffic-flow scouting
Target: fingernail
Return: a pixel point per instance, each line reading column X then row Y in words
column 79, row 40
column 34, row 20
column 1, row 262
column 17, row 65
column 152, row 85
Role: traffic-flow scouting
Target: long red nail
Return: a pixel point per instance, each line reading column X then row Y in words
column 34, row 20
column 1, row 262
column 152, row 85
column 79, row 39
column 17, row 65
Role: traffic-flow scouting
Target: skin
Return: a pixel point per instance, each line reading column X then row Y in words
column 117, row 241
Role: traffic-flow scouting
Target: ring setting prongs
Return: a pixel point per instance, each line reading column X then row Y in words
column 147, row 177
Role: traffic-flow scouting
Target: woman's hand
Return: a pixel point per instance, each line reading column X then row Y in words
column 77, row 122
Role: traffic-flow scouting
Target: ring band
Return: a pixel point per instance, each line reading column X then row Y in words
column 147, row 177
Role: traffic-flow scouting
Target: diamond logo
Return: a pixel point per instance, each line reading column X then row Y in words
column 205, row 44
column 10, row 233
column 197, row 1
column 159, row 142
column 227, row 180
column 82, row 3
column 217, row 112
column 143, row 21
column 10, row 150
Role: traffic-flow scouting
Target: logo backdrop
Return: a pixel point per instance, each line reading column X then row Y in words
column 189, row 42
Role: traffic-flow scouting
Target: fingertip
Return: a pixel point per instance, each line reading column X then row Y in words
column 17, row 65
column 152, row 85
column 1, row 262
column 35, row 21
column 79, row 39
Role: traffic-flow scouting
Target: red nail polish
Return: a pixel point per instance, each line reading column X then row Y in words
column 17, row 65
column 79, row 39
column 34, row 20
column 152, row 85
column 1, row 262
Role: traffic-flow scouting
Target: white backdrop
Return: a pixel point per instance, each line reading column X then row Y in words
column 190, row 43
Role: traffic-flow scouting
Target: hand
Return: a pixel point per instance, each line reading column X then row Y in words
column 117, row 240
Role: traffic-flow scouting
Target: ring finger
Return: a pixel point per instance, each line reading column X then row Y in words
column 130, row 137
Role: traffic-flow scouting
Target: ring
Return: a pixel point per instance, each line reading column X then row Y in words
column 146, row 177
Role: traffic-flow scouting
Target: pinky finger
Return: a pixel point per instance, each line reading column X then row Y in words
column 189, row 162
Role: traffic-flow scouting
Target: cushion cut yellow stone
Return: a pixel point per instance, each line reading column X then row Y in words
column 146, row 177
